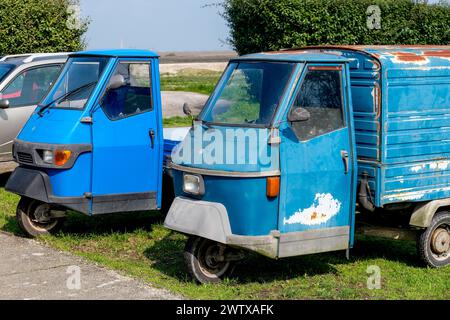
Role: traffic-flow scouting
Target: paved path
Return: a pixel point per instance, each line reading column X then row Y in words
column 172, row 102
column 29, row 270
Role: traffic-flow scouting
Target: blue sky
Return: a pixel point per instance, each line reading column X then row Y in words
column 160, row 25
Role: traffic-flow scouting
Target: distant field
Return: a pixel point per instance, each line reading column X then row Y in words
column 196, row 56
column 190, row 80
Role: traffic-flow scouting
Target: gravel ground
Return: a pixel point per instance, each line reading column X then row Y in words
column 172, row 102
column 31, row 271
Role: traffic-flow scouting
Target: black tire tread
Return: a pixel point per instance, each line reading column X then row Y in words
column 423, row 249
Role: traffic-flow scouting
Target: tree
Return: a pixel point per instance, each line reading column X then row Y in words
column 29, row 26
column 261, row 25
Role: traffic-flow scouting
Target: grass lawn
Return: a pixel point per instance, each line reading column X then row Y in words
column 191, row 80
column 138, row 245
column 177, row 122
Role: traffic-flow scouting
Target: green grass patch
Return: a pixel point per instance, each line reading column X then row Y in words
column 177, row 122
column 190, row 80
column 138, row 245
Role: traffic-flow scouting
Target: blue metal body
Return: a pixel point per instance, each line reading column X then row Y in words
column 122, row 162
column 306, row 171
column 401, row 98
column 396, row 103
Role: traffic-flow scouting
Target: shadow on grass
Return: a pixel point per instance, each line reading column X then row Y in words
column 77, row 224
column 167, row 257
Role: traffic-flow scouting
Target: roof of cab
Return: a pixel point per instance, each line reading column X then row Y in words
column 390, row 56
column 129, row 53
column 293, row 56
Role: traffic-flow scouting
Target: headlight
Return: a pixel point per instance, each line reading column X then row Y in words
column 47, row 156
column 193, row 184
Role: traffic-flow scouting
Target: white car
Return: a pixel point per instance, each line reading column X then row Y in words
column 24, row 81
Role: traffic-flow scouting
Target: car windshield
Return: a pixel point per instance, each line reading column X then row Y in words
column 5, row 69
column 249, row 94
column 76, row 83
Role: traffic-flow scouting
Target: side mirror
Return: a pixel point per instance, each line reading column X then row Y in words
column 299, row 114
column 116, row 82
column 187, row 110
column 4, row 104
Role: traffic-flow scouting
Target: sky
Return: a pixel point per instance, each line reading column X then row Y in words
column 159, row 25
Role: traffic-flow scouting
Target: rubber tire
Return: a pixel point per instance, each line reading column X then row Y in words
column 191, row 258
column 423, row 242
column 27, row 226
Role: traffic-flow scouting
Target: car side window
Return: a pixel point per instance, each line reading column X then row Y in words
column 30, row 86
column 132, row 96
column 320, row 98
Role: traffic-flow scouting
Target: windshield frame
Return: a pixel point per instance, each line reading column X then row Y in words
column 60, row 78
column 218, row 89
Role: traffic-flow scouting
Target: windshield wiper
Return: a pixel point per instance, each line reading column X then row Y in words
column 65, row 96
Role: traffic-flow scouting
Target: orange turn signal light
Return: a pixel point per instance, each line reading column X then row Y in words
column 273, row 187
column 61, row 157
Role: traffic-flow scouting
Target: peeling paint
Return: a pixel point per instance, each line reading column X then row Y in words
column 408, row 57
column 437, row 165
column 323, row 209
column 416, row 169
column 413, row 196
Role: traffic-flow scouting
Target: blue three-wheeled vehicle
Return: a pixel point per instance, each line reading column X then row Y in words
column 95, row 143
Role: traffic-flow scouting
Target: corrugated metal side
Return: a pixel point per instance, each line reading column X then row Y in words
column 416, row 132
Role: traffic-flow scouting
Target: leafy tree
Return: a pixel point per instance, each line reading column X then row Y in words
column 28, row 26
column 261, row 25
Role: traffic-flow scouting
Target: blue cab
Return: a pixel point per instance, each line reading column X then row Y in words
column 95, row 143
column 290, row 141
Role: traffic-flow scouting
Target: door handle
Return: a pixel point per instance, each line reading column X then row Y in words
column 151, row 133
column 344, row 155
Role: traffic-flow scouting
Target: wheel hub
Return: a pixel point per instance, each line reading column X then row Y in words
column 440, row 241
column 42, row 213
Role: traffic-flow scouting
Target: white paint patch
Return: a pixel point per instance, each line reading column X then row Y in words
column 418, row 168
column 438, row 165
column 323, row 209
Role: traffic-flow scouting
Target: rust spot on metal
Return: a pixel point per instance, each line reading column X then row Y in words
column 437, row 53
column 325, row 68
column 409, row 57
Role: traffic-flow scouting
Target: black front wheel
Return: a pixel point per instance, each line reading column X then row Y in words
column 206, row 260
column 35, row 219
column 434, row 243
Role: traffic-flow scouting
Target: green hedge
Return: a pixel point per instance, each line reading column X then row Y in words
column 261, row 25
column 38, row 26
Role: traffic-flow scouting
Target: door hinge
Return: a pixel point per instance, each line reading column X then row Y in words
column 86, row 120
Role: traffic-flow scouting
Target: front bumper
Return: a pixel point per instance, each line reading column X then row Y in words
column 210, row 220
column 35, row 184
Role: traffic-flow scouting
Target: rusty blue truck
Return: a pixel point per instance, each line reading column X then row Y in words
column 342, row 125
